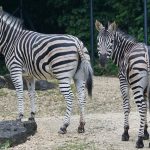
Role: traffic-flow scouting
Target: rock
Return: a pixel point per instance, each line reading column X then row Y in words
column 2, row 82
column 44, row 85
column 31, row 127
column 16, row 132
column 5, row 81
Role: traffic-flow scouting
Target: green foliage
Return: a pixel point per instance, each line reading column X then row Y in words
column 109, row 70
column 5, row 145
column 3, row 69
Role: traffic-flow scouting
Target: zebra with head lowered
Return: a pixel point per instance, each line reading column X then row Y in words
column 42, row 56
column 132, row 60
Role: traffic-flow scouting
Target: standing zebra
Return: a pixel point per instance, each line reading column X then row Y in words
column 42, row 56
column 132, row 60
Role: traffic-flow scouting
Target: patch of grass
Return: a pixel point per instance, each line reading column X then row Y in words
column 3, row 93
column 70, row 145
column 55, row 81
column 5, row 145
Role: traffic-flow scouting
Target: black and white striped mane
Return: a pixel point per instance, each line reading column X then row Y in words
column 9, row 19
column 125, row 36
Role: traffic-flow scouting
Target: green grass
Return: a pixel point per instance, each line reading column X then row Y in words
column 3, row 93
column 5, row 145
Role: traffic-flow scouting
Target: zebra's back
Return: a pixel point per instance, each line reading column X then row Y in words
column 50, row 55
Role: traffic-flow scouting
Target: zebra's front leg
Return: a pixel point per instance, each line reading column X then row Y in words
column 80, row 85
column 126, row 106
column 68, row 95
column 18, row 83
column 31, row 91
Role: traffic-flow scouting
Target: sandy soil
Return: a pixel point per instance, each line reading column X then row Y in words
column 104, row 119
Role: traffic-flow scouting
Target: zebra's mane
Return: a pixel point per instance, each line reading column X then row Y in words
column 7, row 18
column 125, row 36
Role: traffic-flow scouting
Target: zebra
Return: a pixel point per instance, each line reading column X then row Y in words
column 43, row 56
column 132, row 59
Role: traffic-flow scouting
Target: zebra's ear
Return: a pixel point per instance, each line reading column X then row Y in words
column 112, row 26
column 98, row 25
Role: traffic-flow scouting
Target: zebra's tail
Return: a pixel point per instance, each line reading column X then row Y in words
column 88, row 75
column 85, row 68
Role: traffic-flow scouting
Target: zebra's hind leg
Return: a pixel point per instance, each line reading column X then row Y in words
column 65, row 89
column 31, row 91
column 126, row 106
column 141, row 103
column 80, row 85
column 146, row 134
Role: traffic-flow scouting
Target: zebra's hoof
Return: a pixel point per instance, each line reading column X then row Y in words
column 146, row 135
column 62, row 131
column 19, row 118
column 81, row 129
column 31, row 119
column 139, row 143
column 125, row 137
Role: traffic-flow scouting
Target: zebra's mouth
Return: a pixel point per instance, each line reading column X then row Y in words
column 103, row 61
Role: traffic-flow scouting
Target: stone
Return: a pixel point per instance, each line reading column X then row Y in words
column 16, row 132
column 31, row 127
column 5, row 81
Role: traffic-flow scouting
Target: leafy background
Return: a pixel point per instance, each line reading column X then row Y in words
column 73, row 17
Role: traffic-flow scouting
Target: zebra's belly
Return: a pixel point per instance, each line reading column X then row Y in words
column 39, row 74
column 61, row 71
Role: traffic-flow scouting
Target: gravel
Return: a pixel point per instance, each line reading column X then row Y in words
column 104, row 119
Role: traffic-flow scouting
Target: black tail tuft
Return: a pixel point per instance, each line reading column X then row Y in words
column 89, row 83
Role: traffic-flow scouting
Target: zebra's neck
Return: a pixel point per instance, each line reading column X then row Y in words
column 122, row 45
column 9, row 37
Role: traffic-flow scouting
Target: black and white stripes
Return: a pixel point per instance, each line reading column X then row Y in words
column 132, row 60
column 42, row 56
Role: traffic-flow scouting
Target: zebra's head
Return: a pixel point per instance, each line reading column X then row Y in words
column 105, row 41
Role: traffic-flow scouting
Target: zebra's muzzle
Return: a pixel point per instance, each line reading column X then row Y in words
column 103, row 60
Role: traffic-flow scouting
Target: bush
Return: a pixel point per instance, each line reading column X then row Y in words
column 109, row 70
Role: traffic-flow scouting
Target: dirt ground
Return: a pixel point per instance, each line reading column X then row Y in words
column 104, row 119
